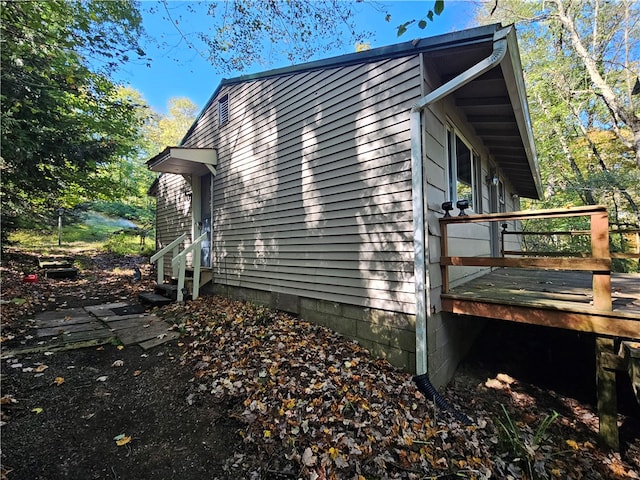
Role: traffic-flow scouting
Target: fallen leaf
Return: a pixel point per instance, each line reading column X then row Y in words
column 308, row 458
column 573, row 444
column 120, row 347
column 495, row 384
column 7, row 399
column 123, row 441
column 59, row 380
column 41, row 368
column 504, row 378
column 37, row 410
column 137, row 372
column 118, row 363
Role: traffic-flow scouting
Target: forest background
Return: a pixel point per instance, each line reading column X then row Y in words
column 74, row 139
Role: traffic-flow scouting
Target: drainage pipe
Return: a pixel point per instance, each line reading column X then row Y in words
column 422, row 281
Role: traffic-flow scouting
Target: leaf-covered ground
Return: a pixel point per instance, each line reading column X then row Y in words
column 252, row 393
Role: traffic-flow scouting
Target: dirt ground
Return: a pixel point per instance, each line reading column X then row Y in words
column 250, row 393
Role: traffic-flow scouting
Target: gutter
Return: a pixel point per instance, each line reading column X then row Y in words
column 420, row 244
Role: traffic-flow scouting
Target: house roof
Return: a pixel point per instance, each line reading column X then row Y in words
column 495, row 103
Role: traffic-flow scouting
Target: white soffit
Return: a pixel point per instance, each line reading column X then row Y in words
column 185, row 161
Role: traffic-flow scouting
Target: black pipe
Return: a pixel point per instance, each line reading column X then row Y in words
column 427, row 389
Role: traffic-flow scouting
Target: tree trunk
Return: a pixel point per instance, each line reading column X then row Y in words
column 618, row 110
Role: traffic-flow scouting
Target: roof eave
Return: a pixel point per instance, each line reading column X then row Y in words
column 512, row 71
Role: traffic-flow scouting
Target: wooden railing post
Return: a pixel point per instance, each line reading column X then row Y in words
column 605, row 378
column 600, row 249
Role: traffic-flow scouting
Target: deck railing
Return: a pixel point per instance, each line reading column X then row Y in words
column 598, row 261
column 527, row 251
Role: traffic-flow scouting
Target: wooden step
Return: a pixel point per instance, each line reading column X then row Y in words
column 154, row 299
column 55, row 262
column 168, row 290
column 69, row 272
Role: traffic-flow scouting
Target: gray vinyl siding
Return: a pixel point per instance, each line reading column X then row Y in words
column 173, row 212
column 313, row 191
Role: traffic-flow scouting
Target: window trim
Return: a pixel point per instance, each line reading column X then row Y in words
column 452, row 175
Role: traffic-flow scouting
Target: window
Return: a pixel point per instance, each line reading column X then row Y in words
column 501, row 204
column 462, row 163
column 223, row 110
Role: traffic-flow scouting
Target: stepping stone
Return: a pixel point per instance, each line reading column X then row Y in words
column 129, row 309
column 104, row 310
column 65, row 329
column 130, row 336
column 139, row 322
column 119, row 318
column 70, row 312
column 63, row 318
column 154, row 342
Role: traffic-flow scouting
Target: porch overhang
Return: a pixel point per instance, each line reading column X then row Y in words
column 185, row 161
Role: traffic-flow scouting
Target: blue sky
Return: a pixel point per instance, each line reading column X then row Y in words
column 179, row 71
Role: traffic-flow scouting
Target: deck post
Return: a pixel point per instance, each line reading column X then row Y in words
column 607, row 396
column 444, row 252
column 605, row 378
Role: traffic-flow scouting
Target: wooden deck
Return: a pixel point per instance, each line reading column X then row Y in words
column 561, row 299
column 562, row 289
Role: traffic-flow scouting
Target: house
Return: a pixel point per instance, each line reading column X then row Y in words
column 319, row 186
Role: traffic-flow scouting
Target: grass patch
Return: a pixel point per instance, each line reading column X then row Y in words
column 95, row 231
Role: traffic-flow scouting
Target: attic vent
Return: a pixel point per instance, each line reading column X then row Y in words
column 223, row 110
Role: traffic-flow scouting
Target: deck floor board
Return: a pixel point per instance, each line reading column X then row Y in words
column 555, row 292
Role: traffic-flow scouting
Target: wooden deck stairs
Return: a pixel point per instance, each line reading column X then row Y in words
column 167, row 292
column 183, row 283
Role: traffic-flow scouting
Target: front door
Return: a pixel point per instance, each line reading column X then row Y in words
column 205, row 218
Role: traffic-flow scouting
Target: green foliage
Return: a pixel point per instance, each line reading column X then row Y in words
column 126, row 244
column 64, row 120
column 160, row 131
column 438, row 8
column 585, row 149
column 525, row 444
column 136, row 214
column 93, row 231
